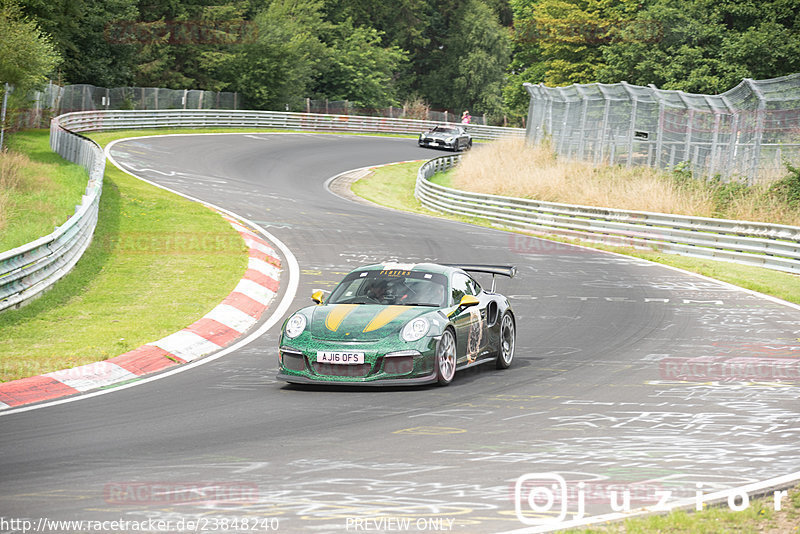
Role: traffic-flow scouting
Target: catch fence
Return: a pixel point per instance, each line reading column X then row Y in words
column 746, row 134
column 38, row 107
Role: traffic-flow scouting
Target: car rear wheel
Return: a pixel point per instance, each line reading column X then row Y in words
column 446, row 358
column 505, row 354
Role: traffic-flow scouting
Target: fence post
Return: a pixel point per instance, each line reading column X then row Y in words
column 549, row 113
column 760, row 113
column 712, row 166
column 660, row 133
column 598, row 157
column 632, row 124
column 6, row 90
column 734, row 146
column 584, row 113
column 689, row 125
column 529, row 133
column 563, row 132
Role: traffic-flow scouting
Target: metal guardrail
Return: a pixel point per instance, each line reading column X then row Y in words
column 28, row 270
column 89, row 121
column 751, row 243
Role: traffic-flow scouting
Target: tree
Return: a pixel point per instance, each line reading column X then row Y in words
column 28, row 54
column 359, row 68
column 278, row 70
column 401, row 23
column 188, row 44
column 467, row 69
column 527, row 63
column 706, row 46
column 84, row 33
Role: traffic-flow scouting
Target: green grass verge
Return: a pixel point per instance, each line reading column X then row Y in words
column 50, row 189
column 157, row 263
column 393, row 186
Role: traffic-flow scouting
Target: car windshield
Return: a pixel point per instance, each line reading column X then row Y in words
column 391, row 287
column 442, row 129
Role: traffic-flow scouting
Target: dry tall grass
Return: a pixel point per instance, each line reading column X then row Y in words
column 759, row 204
column 510, row 167
column 11, row 179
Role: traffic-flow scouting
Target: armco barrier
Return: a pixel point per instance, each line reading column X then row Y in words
column 28, row 270
column 751, row 243
column 90, row 121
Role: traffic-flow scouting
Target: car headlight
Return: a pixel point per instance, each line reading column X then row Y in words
column 295, row 326
column 450, row 139
column 415, row 329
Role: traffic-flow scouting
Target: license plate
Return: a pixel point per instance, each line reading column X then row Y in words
column 340, row 357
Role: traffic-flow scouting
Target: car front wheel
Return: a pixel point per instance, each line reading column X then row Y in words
column 446, row 358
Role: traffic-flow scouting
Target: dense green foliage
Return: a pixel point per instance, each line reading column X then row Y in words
column 701, row 46
column 452, row 54
column 27, row 55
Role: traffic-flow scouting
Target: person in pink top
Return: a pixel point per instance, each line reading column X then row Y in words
column 466, row 117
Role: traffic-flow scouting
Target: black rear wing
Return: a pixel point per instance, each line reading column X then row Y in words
column 502, row 270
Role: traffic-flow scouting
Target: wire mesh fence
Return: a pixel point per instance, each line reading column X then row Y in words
column 746, row 133
column 37, row 108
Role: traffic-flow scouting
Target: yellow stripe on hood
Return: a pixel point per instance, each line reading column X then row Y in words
column 385, row 316
column 337, row 315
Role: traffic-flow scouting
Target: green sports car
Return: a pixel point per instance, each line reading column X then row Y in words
column 399, row 324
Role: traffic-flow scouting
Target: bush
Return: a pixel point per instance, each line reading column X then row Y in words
column 787, row 188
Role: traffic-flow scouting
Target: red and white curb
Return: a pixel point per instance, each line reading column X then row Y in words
column 240, row 310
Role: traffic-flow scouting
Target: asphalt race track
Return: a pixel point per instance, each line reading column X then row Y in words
column 595, row 394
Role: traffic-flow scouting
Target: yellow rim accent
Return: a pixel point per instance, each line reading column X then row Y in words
column 337, row 315
column 385, row 316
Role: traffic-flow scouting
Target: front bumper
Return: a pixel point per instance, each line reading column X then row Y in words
column 411, row 364
column 385, row 382
column 437, row 143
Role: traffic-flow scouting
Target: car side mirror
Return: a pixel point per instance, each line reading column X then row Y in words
column 468, row 301
column 318, row 296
